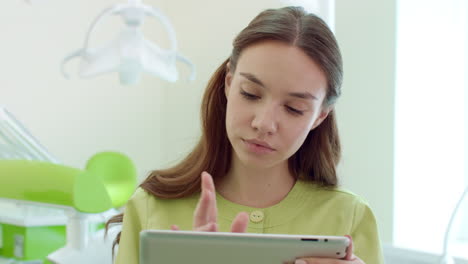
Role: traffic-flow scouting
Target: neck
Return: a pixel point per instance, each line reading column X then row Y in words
column 256, row 187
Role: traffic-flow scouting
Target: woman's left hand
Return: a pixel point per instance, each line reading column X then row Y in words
column 350, row 258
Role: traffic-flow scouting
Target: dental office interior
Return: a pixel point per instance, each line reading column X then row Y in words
column 402, row 117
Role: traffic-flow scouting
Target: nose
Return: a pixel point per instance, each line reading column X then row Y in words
column 265, row 120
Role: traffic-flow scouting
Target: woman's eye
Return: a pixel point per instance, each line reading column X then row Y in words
column 249, row 96
column 294, row 110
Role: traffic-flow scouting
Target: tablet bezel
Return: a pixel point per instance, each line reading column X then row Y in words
column 156, row 247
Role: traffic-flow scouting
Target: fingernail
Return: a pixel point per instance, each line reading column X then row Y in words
column 300, row 261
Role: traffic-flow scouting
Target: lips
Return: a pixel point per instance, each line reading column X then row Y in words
column 258, row 146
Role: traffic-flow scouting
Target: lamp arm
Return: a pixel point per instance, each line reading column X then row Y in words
column 445, row 256
column 77, row 53
column 189, row 64
column 66, row 59
column 151, row 11
column 105, row 12
column 135, row 2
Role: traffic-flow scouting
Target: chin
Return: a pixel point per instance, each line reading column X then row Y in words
column 255, row 161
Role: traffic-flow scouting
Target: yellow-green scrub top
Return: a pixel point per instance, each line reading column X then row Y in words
column 307, row 209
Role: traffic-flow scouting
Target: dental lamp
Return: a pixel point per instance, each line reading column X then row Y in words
column 446, row 257
column 130, row 53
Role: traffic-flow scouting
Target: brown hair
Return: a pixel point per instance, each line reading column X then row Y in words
column 318, row 156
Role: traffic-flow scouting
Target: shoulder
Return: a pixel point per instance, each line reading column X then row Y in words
column 142, row 197
column 337, row 195
column 139, row 201
column 149, row 204
column 362, row 212
column 136, row 208
column 336, row 201
column 349, row 214
column 347, row 197
column 160, row 213
column 356, row 207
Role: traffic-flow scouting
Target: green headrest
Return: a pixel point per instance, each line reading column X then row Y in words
column 108, row 181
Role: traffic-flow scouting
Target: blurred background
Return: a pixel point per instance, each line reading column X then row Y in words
column 402, row 115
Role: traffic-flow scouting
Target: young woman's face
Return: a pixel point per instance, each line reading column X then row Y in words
column 274, row 99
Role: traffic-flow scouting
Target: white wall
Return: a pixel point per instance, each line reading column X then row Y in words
column 395, row 255
column 366, row 32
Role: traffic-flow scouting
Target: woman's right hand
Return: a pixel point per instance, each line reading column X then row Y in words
column 205, row 217
column 350, row 258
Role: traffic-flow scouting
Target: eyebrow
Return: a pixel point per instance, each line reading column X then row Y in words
column 254, row 79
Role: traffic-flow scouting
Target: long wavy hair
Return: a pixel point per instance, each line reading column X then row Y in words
column 316, row 159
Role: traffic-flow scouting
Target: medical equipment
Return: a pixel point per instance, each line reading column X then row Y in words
column 107, row 182
column 18, row 143
column 48, row 210
column 130, row 53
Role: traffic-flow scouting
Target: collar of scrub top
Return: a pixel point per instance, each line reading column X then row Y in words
column 130, row 53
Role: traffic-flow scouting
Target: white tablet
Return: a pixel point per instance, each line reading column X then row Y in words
column 190, row 247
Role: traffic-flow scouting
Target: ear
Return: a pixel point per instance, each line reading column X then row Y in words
column 227, row 79
column 323, row 114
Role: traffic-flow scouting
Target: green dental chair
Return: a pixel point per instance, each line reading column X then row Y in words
column 28, row 178
column 107, row 182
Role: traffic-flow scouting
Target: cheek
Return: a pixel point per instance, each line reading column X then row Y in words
column 236, row 111
column 299, row 133
column 296, row 134
column 234, row 117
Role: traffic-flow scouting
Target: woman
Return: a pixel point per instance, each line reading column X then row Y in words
column 266, row 161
